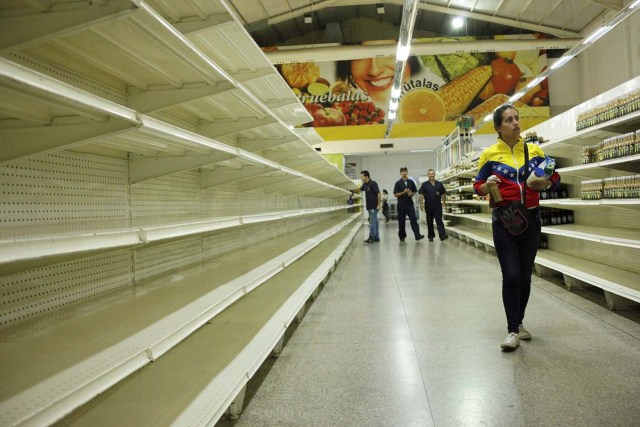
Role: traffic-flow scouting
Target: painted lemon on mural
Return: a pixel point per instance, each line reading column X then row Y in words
column 421, row 105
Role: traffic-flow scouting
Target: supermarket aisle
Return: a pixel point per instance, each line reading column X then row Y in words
column 408, row 334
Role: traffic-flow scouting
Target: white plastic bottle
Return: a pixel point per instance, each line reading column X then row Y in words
column 543, row 171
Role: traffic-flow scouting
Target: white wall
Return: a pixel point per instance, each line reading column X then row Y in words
column 612, row 60
column 385, row 169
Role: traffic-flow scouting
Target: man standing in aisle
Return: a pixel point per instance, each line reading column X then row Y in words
column 404, row 189
column 372, row 200
column 432, row 193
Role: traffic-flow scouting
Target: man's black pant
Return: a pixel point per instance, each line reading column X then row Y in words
column 435, row 212
column 405, row 211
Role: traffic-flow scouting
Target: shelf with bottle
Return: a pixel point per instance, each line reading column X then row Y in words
column 621, row 187
column 555, row 216
column 615, row 147
column 610, row 110
column 592, row 136
column 604, row 168
column 466, row 171
column 461, row 185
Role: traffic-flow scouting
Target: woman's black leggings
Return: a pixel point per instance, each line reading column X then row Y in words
column 516, row 256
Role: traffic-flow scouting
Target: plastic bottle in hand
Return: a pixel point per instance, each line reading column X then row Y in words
column 543, row 171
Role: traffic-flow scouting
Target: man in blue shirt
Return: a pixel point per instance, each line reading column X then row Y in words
column 404, row 189
column 432, row 192
column 372, row 200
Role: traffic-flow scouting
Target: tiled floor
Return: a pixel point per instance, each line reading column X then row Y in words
column 408, row 334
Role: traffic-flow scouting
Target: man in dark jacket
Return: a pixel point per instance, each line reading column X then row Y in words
column 404, row 189
column 432, row 193
column 372, row 200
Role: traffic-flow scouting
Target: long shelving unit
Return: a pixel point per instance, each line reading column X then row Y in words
column 603, row 245
column 152, row 178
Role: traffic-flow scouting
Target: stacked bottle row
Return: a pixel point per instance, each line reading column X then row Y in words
column 543, row 244
column 463, row 209
column 622, row 187
column 458, row 197
column 560, row 192
column 627, row 144
column 552, row 216
column 616, row 108
column 533, row 138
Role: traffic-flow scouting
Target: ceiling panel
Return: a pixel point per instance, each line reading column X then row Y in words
column 277, row 22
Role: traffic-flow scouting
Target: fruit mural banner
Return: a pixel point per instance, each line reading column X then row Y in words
column 435, row 88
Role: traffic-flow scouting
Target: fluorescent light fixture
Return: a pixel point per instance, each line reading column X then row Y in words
column 427, row 150
column 395, row 92
column 533, row 82
column 560, row 62
column 635, row 4
column 380, row 9
column 308, row 19
column 488, row 117
column 515, row 97
column 403, row 52
column 457, row 22
column 596, row 34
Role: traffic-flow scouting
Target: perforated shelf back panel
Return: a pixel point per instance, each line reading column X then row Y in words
column 63, row 192
column 228, row 201
column 156, row 260
column 218, row 243
column 42, row 290
column 168, row 199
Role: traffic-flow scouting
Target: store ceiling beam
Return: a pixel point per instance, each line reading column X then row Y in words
column 145, row 168
column 26, row 141
column 195, row 25
column 218, row 129
column 558, row 32
column 615, row 5
column 19, row 32
column 219, row 176
column 148, row 101
column 337, row 53
column 296, row 13
column 262, row 144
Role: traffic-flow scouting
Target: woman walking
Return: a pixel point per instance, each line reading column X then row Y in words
column 503, row 173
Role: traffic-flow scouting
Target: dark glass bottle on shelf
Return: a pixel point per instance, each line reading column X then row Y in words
column 543, row 243
column 544, row 195
column 563, row 191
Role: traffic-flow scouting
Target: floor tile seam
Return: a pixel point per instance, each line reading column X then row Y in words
column 415, row 350
column 593, row 315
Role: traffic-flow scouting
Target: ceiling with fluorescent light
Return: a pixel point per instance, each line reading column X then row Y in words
column 282, row 22
column 349, row 22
